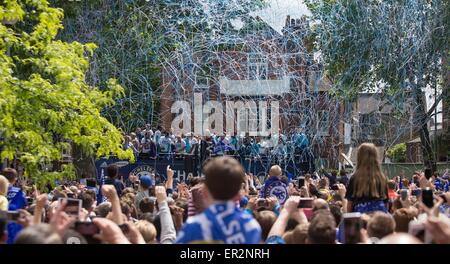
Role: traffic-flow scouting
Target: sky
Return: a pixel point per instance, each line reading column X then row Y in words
column 275, row 14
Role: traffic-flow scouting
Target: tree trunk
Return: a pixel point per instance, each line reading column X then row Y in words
column 421, row 119
column 84, row 165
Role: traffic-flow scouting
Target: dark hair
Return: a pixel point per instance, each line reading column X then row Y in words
column 183, row 203
column 146, row 205
column 126, row 210
column 335, row 210
column 58, row 194
column 38, row 234
column 147, row 217
column 103, row 209
column 112, row 171
column 194, row 181
column 86, row 200
column 392, row 185
column 9, row 173
column 322, row 229
column 223, row 177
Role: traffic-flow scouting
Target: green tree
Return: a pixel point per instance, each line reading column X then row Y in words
column 399, row 47
column 45, row 103
column 397, row 153
column 138, row 38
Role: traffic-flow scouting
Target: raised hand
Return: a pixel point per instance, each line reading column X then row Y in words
column 169, row 172
column 291, row 205
column 109, row 232
column 160, row 193
column 60, row 220
column 109, row 191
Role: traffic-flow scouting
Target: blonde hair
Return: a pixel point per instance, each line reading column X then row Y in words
column 275, row 170
column 147, row 230
column 368, row 179
column 4, row 183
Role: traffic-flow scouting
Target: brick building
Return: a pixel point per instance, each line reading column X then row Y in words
column 254, row 64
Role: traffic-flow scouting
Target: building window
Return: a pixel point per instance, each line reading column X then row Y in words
column 257, row 66
column 201, row 82
column 323, row 123
column 369, row 122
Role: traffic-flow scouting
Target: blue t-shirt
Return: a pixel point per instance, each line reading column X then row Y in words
column 221, row 223
column 188, row 145
column 16, row 198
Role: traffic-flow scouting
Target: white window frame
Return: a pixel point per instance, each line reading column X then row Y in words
column 260, row 62
column 199, row 85
column 323, row 130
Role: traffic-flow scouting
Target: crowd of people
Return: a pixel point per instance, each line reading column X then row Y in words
column 226, row 205
column 149, row 143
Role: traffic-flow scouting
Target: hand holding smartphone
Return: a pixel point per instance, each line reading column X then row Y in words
column 73, row 206
column 12, row 216
column 427, row 197
column 305, row 203
column 352, row 228
column 261, row 202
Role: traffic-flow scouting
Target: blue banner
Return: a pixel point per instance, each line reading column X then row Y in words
column 183, row 166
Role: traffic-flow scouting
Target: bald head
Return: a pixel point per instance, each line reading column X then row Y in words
column 275, row 170
column 400, row 238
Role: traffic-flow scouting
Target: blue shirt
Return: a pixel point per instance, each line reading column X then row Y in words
column 188, row 145
column 16, row 198
column 221, row 223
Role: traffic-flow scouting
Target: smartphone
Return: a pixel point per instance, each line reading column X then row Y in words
column 301, row 181
column 305, row 203
column 352, row 225
column 261, row 202
column 428, row 173
column 83, row 182
column 334, row 187
column 427, row 197
column 404, row 194
column 73, row 206
column 88, row 230
column 12, row 216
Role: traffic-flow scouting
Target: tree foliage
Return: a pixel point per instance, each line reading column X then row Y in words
column 397, row 153
column 45, row 102
column 138, row 38
column 396, row 47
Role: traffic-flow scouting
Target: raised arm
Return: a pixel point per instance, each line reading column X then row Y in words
column 289, row 209
column 168, row 233
column 41, row 200
column 116, row 211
